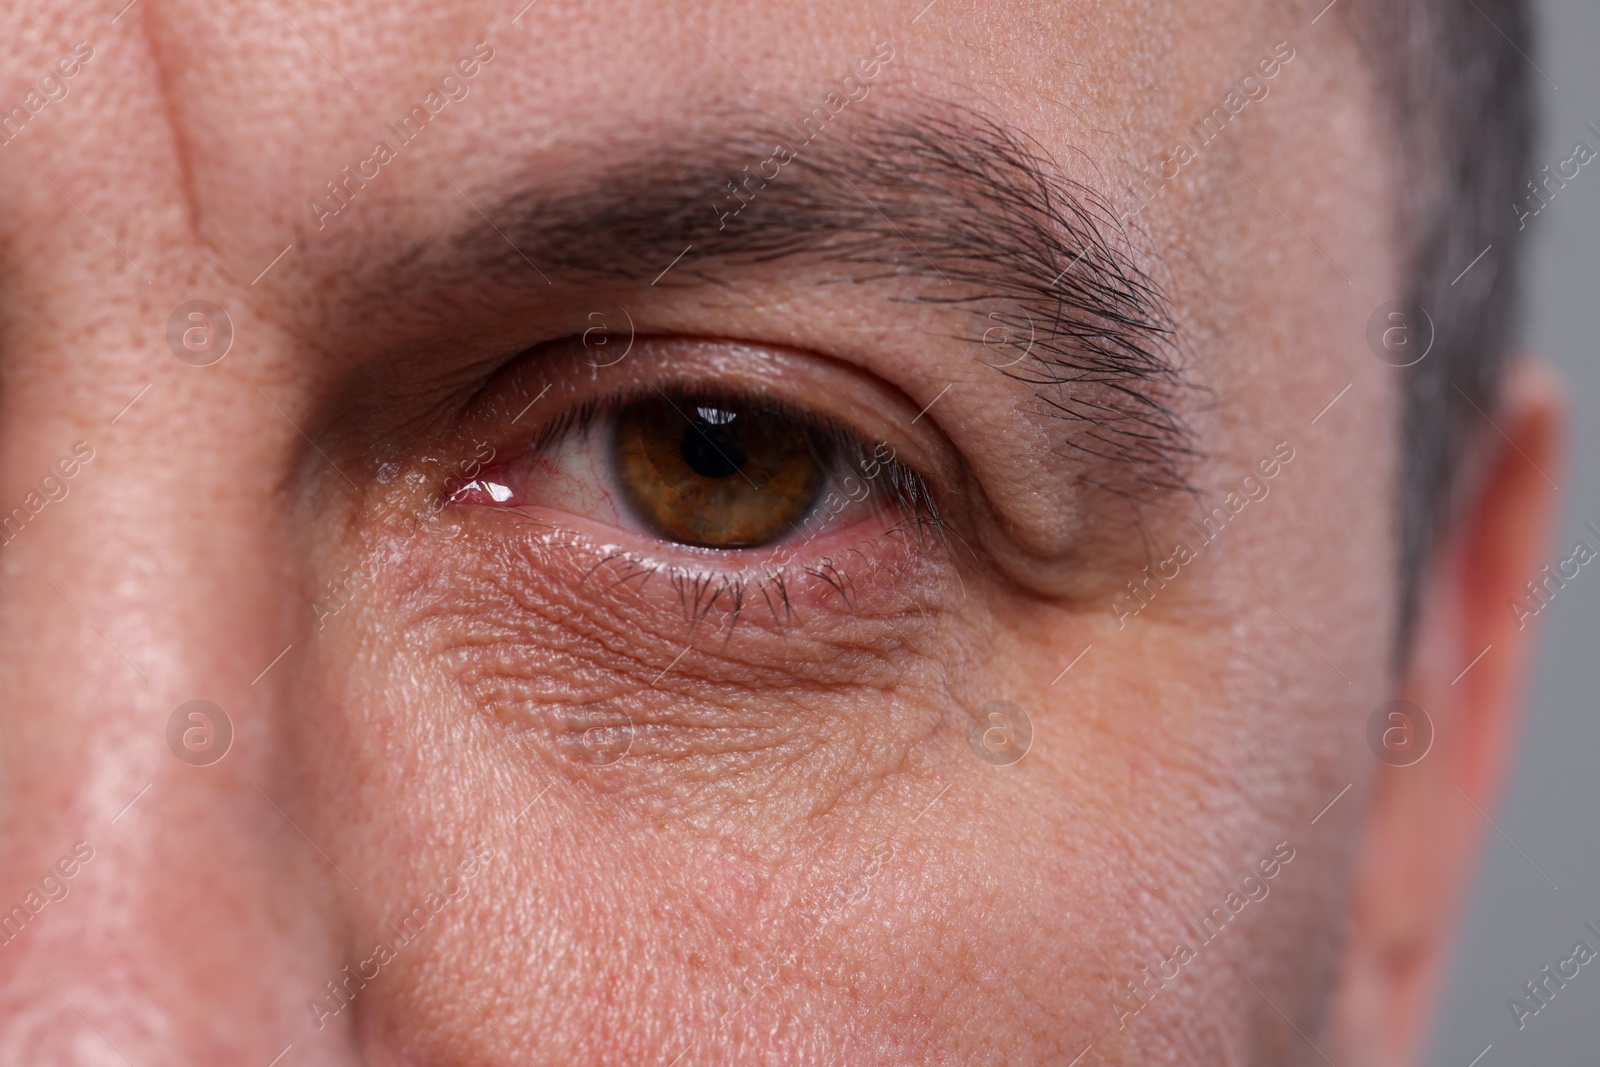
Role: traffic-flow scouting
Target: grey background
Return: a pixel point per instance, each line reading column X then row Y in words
column 1516, row 923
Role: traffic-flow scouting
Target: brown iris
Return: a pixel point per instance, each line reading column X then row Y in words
column 716, row 473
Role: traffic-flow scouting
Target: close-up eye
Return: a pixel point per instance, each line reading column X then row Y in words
column 706, row 467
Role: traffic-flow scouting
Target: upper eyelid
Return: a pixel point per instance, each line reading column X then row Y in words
column 543, row 390
column 584, row 414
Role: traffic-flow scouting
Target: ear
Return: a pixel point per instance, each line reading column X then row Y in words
column 1426, row 823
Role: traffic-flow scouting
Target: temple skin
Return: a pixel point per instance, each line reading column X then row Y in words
column 766, row 841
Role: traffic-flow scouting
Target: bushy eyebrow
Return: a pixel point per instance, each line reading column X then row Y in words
column 963, row 210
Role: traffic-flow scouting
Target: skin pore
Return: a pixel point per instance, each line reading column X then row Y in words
column 725, row 806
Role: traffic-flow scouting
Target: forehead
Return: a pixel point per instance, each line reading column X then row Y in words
column 230, row 140
column 248, row 109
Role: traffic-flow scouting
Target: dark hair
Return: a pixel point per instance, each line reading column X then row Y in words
column 1455, row 81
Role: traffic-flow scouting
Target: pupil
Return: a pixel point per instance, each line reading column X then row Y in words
column 709, row 446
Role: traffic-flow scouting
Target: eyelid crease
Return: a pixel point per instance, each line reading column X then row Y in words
column 908, row 491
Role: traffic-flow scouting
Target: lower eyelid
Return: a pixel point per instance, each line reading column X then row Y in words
column 872, row 570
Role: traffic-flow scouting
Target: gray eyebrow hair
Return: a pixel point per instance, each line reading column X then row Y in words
column 972, row 212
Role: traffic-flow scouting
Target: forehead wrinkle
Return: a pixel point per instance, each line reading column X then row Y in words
column 148, row 22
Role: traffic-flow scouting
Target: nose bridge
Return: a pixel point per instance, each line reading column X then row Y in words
column 153, row 896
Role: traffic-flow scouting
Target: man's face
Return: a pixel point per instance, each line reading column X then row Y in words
column 552, row 740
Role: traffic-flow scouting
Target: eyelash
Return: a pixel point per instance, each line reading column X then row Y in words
column 906, row 493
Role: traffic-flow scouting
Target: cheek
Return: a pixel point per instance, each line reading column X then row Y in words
column 726, row 858
column 778, row 850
